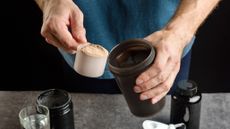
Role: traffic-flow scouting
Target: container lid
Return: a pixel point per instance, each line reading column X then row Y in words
column 186, row 88
column 56, row 100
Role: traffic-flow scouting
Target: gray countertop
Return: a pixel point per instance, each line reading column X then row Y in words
column 102, row 111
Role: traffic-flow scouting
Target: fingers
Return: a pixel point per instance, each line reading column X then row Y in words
column 158, row 79
column 59, row 34
column 158, row 92
column 51, row 39
column 56, row 30
column 154, row 94
column 155, row 69
column 77, row 28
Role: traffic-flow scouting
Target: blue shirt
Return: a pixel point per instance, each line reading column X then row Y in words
column 108, row 22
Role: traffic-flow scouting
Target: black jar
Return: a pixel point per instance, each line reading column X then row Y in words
column 60, row 106
column 186, row 105
column 126, row 61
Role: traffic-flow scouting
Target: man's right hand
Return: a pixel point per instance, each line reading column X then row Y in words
column 62, row 24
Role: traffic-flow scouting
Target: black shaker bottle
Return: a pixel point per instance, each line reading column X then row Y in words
column 60, row 106
column 186, row 105
column 126, row 61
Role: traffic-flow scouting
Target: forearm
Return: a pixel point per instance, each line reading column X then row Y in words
column 190, row 15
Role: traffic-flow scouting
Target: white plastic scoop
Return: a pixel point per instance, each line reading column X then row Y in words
column 148, row 124
column 90, row 60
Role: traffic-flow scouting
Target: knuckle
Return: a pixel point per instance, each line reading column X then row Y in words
column 51, row 27
column 158, row 68
column 66, row 44
column 177, row 67
column 145, row 76
column 67, row 49
column 81, row 15
column 174, row 60
column 165, row 48
column 49, row 42
column 152, row 93
column 78, row 14
column 80, row 30
column 161, row 78
column 52, row 24
column 174, row 57
column 49, row 22
column 148, row 93
column 144, row 86
column 43, row 32
column 176, row 63
column 165, row 87
column 69, row 46
column 58, row 26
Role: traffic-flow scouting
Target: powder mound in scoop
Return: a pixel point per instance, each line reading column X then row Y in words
column 95, row 50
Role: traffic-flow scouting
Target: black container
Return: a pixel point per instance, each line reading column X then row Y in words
column 60, row 107
column 186, row 105
column 126, row 61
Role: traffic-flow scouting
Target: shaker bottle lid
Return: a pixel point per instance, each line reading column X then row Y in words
column 187, row 88
column 131, row 56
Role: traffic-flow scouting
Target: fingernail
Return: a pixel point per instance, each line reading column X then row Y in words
column 73, row 52
column 144, row 97
column 153, row 101
column 84, row 39
column 137, row 89
column 139, row 81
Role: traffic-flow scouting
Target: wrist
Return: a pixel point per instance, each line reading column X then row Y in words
column 43, row 4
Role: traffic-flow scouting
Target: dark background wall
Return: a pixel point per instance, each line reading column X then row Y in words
column 210, row 60
column 27, row 61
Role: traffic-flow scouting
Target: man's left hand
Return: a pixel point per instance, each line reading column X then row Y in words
column 156, row 81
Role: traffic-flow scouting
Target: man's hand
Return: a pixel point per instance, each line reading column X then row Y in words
column 169, row 43
column 155, row 82
column 62, row 24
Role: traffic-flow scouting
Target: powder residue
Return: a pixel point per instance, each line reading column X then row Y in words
column 95, row 50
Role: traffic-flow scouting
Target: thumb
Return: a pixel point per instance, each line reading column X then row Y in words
column 77, row 28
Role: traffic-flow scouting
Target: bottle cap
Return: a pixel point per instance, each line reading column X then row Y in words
column 186, row 88
column 58, row 101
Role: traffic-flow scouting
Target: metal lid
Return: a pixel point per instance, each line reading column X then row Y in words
column 186, row 88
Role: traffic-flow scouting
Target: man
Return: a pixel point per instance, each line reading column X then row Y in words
column 170, row 25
